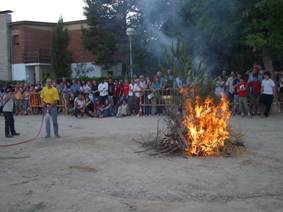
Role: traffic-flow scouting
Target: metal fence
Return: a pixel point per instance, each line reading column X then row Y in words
column 155, row 101
column 35, row 104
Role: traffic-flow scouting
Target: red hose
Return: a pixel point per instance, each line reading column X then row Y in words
column 26, row 141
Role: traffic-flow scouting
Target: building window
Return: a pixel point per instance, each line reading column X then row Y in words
column 16, row 40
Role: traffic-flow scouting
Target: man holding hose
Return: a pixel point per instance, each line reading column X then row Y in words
column 50, row 97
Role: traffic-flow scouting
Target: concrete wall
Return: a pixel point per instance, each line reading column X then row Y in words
column 5, row 41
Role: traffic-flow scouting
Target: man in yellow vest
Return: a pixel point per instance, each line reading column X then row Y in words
column 50, row 97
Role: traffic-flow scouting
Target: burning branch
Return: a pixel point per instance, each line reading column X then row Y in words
column 202, row 130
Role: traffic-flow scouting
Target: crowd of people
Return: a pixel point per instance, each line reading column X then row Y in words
column 251, row 93
column 104, row 99
column 246, row 92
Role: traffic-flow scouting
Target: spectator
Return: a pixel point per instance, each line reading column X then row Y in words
column 138, row 91
column 120, row 89
column 230, row 87
column 2, row 92
column 18, row 100
column 219, row 89
column 116, row 91
column 242, row 90
column 87, row 87
column 110, row 90
column 106, row 109
column 8, row 104
column 132, row 98
column 75, row 87
column 170, row 80
column 156, row 86
column 80, row 105
column 236, row 81
column 94, row 89
column 103, row 90
column 178, row 83
column 280, row 89
column 123, row 109
column 26, row 97
column 89, row 109
column 255, row 87
column 267, row 93
column 97, row 108
column 147, row 97
column 126, row 89
column 38, row 86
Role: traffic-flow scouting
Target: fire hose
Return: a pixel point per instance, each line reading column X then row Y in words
column 29, row 140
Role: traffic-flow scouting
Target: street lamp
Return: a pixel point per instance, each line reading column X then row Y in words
column 130, row 33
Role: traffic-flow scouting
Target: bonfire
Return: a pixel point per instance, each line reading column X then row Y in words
column 207, row 126
column 200, row 130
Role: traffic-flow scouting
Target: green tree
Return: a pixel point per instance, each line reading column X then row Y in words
column 263, row 28
column 106, row 35
column 60, row 57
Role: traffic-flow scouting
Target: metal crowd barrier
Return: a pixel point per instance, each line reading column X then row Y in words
column 153, row 101
column 35, row 104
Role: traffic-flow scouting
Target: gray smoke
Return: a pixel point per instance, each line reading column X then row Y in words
column 162, row 16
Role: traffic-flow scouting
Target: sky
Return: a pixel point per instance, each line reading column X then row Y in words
column 44, row 10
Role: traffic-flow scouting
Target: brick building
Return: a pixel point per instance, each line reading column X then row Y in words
column 25, row 50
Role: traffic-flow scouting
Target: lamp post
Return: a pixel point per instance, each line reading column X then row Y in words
column 130, row 33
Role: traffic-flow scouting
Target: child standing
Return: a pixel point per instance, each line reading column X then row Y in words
column 242, row 89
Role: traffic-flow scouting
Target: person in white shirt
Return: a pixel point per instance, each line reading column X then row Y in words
column 131, row 97
column 86, row 88
column 230, row 89
column 103, row 90
column 267, row 92
column 178, row 83
column 138, row 91
column 123, row 109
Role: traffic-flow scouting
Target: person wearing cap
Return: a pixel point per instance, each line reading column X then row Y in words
column 8, row 108
column 50, row 97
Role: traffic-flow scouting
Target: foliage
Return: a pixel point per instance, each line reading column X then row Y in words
column 106, row 37
column 222, row 34
column 177, row 60
column 60, row 57
column 263, row 24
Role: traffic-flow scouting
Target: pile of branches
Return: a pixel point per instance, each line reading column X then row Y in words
column 172, row 139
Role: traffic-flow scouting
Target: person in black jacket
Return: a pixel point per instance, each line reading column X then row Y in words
column 8, row 108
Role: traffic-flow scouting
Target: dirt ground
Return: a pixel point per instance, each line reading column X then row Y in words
column 94, row 167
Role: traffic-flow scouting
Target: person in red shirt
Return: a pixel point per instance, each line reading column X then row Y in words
column 255, row 87
column 115, row 93
column 126, row 89
column 120, row 89
column 242, row 89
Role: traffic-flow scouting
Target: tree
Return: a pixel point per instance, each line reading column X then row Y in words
column 106, row 35
column 60, row 57
column 263, row 28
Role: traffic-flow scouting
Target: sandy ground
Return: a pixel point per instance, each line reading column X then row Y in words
column 94, row 167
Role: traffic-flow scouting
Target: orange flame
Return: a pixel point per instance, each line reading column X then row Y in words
column 207, row 126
